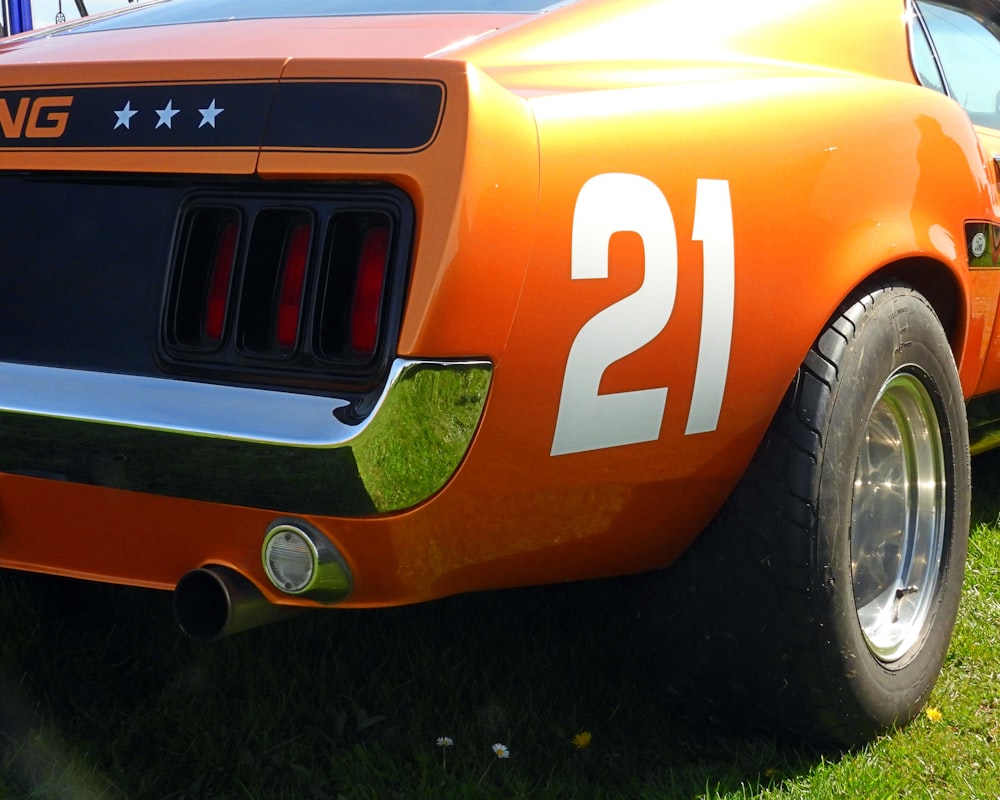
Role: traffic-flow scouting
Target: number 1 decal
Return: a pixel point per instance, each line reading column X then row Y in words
column 617, row 202
column 713, row 226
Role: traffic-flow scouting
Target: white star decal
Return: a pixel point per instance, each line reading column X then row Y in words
column 167, row 114
column 209, row 114
column 125, row 117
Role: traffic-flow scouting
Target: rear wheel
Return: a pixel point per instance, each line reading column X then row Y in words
column 828, row 585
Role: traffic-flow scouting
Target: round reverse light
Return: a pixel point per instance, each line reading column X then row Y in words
column 978, row 245
column 290, row 559
column 299, row 559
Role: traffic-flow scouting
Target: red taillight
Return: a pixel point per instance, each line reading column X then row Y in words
column 273, row 287
column 293, row 275
column 367, row 301
column 217, row 299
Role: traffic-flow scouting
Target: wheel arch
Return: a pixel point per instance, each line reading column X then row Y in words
column 942, row 289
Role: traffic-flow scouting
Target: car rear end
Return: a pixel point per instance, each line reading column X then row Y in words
column 248, row 297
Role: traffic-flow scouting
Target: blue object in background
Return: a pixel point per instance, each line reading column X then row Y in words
column 19, row 16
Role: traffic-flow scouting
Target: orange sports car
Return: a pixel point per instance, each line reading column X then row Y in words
column 367, row 302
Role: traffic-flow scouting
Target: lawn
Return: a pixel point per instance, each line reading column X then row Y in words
column 100, row 697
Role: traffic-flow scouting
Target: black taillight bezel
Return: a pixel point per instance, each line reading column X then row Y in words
column 248, row 353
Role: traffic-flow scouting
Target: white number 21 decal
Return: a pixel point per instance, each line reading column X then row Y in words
column 617, row 202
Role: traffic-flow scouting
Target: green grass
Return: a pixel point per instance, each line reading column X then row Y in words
column 439, row 410
column 100, row 697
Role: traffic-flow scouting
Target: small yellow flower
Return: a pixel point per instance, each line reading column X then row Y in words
column 933, row 714
column 582, row 740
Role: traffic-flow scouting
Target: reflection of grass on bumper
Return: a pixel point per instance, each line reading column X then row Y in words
column 421, row 434
column 409, row 449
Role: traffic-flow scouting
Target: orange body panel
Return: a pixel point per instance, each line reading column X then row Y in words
column 835, row 165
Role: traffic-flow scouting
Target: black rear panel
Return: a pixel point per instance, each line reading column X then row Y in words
column 81, row 276
column 91, row 272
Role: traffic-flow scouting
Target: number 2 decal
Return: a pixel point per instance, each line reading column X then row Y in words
column 617, row 202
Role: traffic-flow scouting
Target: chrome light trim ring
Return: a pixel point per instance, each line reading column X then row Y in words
column 298, row 453
column 330, row 581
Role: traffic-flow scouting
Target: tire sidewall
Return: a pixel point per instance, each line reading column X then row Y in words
column 899, row 332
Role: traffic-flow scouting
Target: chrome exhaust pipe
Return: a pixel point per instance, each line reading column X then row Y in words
column 212, row 602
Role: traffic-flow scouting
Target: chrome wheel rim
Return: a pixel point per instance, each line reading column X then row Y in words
column 898, row 517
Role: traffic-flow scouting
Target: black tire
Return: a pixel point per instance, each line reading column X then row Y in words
column 768, row 598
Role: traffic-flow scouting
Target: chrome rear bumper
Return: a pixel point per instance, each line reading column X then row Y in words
column 295, row 453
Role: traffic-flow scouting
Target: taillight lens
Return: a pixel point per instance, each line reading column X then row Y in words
column 273, row 287
column 220, row 278
column 199, row 295
column 293, row 275
column 367, row 302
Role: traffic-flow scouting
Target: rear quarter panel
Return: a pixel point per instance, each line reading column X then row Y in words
column 832, row 179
